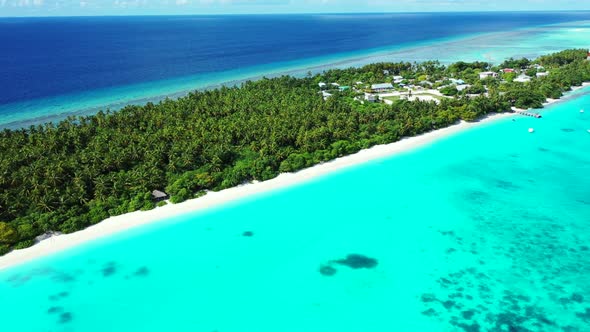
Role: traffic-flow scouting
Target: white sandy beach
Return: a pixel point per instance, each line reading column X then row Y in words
column 123, row 222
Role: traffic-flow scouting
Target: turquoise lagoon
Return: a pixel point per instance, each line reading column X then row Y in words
column 492, row 47
column 486, row 230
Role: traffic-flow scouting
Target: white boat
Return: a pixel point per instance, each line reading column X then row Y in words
column 531, row 130
column 581, row 111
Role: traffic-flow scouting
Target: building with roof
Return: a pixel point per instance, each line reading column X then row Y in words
column 522, row 78
column 486, row 74
column 381, row 87
column 158, row 196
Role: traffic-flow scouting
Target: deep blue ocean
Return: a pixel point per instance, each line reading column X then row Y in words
column 45, row 58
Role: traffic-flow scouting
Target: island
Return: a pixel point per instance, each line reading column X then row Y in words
column 63, row 177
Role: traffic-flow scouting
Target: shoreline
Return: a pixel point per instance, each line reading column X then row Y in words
column 177, row 87
column 121, row 223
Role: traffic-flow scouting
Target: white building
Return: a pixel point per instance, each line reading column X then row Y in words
column 381, row 87
column 326, row 95
column 522, row 79
column 322, row 85
column 486, row 74
column 543, row 74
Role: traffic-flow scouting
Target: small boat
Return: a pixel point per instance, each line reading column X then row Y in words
column 531, row 130
column 581, row 111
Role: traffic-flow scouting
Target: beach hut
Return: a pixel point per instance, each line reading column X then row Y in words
column 159, row 196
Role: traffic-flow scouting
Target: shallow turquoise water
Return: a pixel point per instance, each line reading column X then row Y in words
column 487, row 230
column 491, row 47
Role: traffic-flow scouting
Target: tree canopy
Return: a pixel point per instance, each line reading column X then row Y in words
column 66, row 176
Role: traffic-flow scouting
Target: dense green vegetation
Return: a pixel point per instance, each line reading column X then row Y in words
column 67, row 176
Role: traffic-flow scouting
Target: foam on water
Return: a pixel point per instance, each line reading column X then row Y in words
column 486, row 230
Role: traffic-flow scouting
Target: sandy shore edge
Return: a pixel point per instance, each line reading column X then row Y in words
column 130, row 220
column 124, row 222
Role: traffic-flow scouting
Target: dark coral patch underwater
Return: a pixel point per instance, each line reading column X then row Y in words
column 65, row 317
column 142, row 272
column 109, row 269
column 327, row 270
column 353, row 261
column 356, row 261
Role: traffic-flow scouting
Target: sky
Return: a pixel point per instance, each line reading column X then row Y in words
column 155, row 7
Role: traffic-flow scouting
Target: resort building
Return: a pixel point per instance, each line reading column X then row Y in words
column 486, row 74
column 457, row 81
column 326, row 95
column 322, row 85
column 522, row 78
column 508, row 70
column 335, row 84
column 344, row 88
column 381, row 87
column 543, row 74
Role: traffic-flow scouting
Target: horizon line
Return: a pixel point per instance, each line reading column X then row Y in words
column 299, row 13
